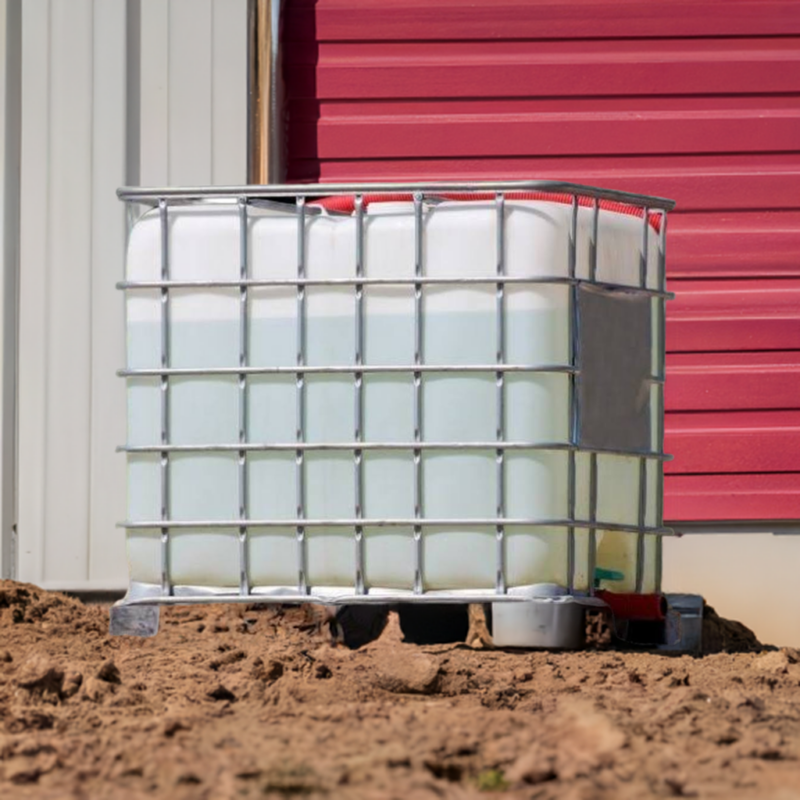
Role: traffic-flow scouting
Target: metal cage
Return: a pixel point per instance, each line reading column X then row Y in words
column 651, row 210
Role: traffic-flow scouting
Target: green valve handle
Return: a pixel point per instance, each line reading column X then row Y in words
column 601, row 574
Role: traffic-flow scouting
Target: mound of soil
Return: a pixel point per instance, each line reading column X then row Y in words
column 235, row 701
column 722, row 635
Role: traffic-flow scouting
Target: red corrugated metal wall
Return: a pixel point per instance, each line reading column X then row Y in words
column 698, row 100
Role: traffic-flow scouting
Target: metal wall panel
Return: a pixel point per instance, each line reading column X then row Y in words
column 194, row 92
column 10, row 65
column 699, row 101
column 471, row 20
column 85, row 95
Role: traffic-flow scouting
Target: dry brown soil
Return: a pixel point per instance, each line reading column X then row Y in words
column 229, row 701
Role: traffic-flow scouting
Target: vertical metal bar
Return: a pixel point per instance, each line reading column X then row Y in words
column 593, row 240
column 592, row 518
column 645, row 247
column 166, row 578
column 358, row 421
column 593, row 456
column 572, row 322
column 300, row 393
column 418, row 270
column 500, row 315
column 641, row 523
column 244, row 580
column 661, row 307
column 642, row 512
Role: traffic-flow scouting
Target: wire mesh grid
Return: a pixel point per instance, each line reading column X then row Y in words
column 652, row 211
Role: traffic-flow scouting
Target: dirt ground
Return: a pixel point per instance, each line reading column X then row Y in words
column 231, row 701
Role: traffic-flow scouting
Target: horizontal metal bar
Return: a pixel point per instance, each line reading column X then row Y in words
column 365, row 281
column 378, row 599
column 154, row 372
column 345, row 369
column 410, row 446
column 153, row 195
column 466, row 280
column 405, row 522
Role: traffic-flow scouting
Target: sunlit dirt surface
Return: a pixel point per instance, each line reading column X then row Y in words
column 231, row 701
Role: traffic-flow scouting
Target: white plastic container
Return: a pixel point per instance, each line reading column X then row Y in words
column 459, row 328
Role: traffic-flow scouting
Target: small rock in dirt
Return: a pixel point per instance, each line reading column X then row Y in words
column 676, row 786
column 791, row 653
column 33, row 746
column 172, row 726
column 270, row 671
column 415, row 674
column 230, row 657
column 322, row 671
column 109, row 673
column 23, row 773
column 446, row 770
column 95, row 690
column 248, row 773
column 288, row 780
column 5, row 657
column 678, row 680
column 29, row 720
column 776, row 662
column 761, row 744
column 220, row 692
column 72, row 683
column 532, row 767
column 40, row 674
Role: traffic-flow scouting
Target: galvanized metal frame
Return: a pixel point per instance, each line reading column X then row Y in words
column 244, row 583
column 300, row 387
column 243, row 198
column 166, row 581
column 417, row 411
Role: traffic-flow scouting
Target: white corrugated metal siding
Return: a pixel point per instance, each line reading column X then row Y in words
column 10, row 23
column 113, row 92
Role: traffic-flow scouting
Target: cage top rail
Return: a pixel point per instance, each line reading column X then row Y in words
column 180, row 194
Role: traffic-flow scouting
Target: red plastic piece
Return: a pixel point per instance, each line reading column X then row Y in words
column 652, row 607
column 346, row 203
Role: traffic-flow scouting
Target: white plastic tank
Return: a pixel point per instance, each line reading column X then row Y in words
column 459, row 327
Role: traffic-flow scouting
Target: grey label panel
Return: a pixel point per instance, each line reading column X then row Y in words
column 615, row 340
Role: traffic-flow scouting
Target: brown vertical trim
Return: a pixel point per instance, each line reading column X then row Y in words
column 264, row 107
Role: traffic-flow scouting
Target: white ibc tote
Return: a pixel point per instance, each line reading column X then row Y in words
column 446, row 392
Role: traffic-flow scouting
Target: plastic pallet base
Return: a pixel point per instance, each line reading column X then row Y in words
column 680, row 632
